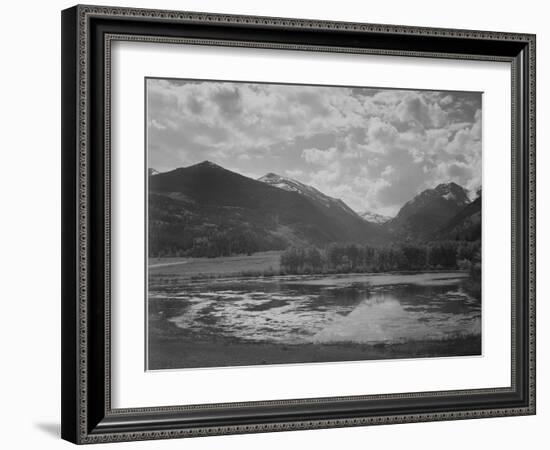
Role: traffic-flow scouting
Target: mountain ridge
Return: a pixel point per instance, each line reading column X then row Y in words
column 205, row 209
column 290, row 184
column 428, row 211
column 465, row 225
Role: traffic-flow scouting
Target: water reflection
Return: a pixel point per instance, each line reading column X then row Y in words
column 346, row 308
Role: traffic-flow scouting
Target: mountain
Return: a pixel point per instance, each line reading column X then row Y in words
column 288, row 184
column 428, row 212
column 374, row 217
column 465, row 225
column 207, row 210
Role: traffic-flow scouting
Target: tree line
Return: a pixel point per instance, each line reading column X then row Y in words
column 346, row 258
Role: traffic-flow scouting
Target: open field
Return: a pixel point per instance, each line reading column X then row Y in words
column 224, row 265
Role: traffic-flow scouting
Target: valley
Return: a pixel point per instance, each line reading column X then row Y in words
column 271, row 271
column 208, row 211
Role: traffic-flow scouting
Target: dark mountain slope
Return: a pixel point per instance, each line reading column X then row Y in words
column 206, row 210
column 334, row 208
column 426, row 213
column 464, row 226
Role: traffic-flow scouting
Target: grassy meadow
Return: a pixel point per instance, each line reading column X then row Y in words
column 258, row 263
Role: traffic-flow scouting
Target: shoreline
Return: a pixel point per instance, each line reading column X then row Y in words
column 261, row 264
column 170, row 347
column 186, row 353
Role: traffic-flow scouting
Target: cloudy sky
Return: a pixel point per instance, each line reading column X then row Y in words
column 373, row 148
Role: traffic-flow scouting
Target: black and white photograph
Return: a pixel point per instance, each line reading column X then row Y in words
column 275, row 220
column 296, row 223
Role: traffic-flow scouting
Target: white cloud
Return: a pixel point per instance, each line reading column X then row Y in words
column 382, row 132
column 415, row 109
column 156, row 124
column 294, row 173
column 320, row 157
column 373, row 148
column 389, row 170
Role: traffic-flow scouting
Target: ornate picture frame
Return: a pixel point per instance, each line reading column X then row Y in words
column 88, row 33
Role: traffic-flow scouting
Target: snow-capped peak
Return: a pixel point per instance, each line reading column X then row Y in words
column 452, row 192
column 374, row 217
column 449, row 191
column 289, row 184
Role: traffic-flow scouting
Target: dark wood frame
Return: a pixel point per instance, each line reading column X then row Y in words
column 87, row 32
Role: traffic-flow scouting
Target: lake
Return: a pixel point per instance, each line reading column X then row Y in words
column 362, row 309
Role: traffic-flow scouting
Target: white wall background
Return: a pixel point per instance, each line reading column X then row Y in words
column 30, row 223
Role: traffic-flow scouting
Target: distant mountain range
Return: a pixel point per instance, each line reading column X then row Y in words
column 207, row 210
column 374, row 217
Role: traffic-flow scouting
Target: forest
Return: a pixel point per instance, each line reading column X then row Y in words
column 346, row 258
column 202, row 242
